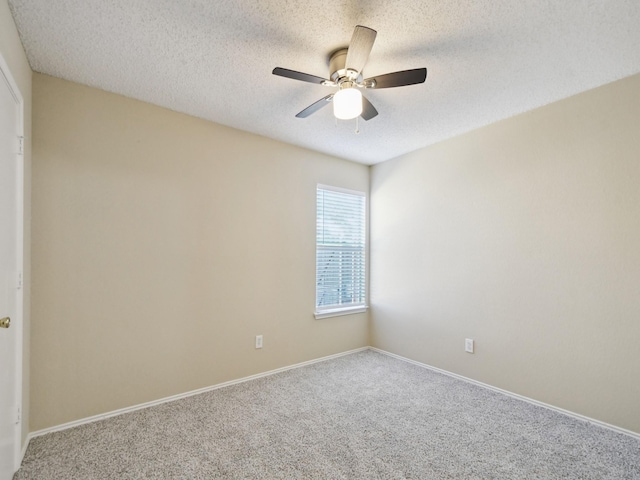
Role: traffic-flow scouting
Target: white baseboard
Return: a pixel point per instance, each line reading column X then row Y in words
column 24, row 450
column 172, row 398
column 513, row 395
column 121, row 411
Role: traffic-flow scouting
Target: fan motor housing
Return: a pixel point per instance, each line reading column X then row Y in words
column 337, row 70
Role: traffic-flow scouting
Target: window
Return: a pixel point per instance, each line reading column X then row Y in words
column 340, row 252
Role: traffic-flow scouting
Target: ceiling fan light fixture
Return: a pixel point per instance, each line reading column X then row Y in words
column 345, row 72
column 347, row 103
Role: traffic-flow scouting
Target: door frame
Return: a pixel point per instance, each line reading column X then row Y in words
column 6, row 76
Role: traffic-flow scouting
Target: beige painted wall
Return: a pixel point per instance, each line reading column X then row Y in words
column 13, row 53
column 163, row 245
column 525, row 236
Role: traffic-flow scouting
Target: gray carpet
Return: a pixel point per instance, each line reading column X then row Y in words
column 361, row 416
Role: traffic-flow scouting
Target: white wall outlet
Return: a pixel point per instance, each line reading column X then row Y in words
column 258, row 341
column 468, row 345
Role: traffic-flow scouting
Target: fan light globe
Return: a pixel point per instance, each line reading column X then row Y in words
column 347, row 103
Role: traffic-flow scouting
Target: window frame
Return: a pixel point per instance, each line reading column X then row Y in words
column 345, row 309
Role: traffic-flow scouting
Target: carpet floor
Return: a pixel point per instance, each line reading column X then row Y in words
column 360, row 416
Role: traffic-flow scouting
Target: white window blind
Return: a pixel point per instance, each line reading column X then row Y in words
column 340, row 249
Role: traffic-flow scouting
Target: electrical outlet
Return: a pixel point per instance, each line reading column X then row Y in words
column 468, row 345
column 258, row 341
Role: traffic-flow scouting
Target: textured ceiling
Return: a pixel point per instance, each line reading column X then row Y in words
column 486, row 60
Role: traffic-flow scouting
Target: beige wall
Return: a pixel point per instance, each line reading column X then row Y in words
column 13, row 53
column 163, row 245
column 525, row 236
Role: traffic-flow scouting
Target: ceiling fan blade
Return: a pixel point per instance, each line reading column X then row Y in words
column 368, row 110
column 360, row 48
column 304, row 77
column 397, row 79
column 314, row 107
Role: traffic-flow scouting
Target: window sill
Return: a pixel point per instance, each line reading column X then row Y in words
column 336, row 312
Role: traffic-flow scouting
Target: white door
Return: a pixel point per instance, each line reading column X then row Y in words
column 10, row 300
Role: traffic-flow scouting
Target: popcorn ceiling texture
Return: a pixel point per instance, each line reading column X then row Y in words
column 487, row 60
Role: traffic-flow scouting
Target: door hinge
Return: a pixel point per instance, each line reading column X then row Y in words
column 20, row 145
column 19, row 280
column 18, row 416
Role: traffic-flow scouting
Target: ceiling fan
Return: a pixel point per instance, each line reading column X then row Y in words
column 345, row 67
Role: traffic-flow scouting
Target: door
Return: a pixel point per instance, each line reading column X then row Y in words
column 10, row 261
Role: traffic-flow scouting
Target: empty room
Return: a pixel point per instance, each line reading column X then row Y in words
column 319, row 240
